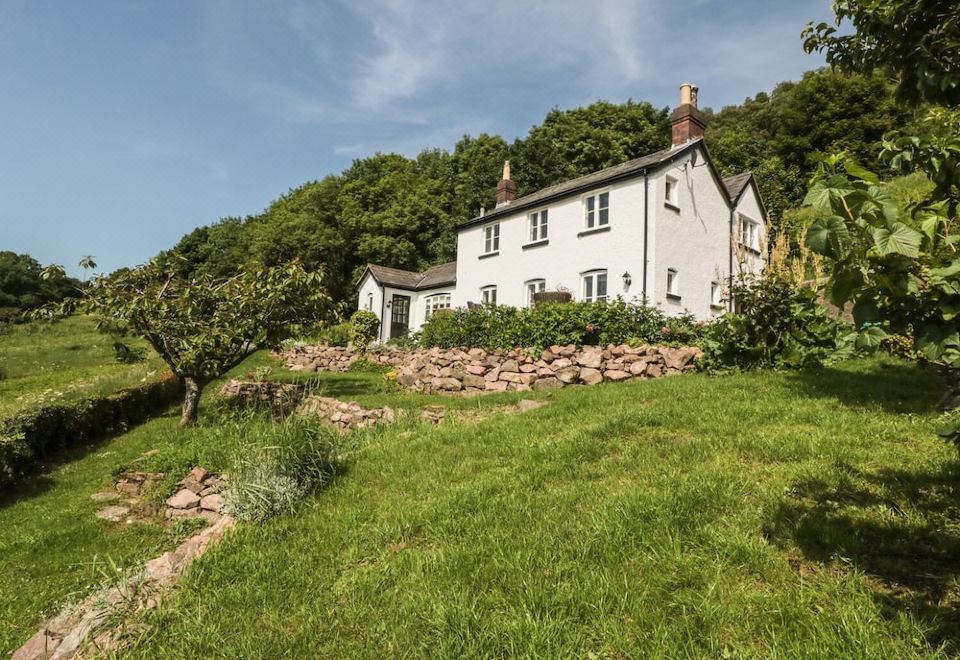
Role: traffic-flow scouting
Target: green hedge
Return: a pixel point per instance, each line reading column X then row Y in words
column 31, row 435
column 579, row 323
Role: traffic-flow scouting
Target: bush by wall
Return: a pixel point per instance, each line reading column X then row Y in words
column 777, row 324
column 579, row 323
column 364, row 326
column 30, row 435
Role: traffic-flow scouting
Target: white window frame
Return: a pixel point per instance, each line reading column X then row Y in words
column 716, row 294
column 369, row 302
column 491, row 238
column 593, row 218
column 436, row 302
column 673, row 283
column 670, row 192
column 539, row 223
column 590, row 285
column 748, row 232
column 533, row 286
column 488, row 295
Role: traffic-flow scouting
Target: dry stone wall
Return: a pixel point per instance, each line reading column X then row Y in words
column 477, row 370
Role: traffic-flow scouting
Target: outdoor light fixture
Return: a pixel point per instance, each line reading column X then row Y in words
column 627, row 279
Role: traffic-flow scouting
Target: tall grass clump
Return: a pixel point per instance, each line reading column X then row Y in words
column 277, row 465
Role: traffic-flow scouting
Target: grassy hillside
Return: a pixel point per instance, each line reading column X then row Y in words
column 792, row 514
column 63, row 361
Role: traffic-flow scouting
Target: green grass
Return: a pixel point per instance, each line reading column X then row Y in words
column 806, row 514
column 63, row 361
column 790, row 515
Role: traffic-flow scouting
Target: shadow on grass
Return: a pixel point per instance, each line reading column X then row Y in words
column 897, row 387
column 40, row 479
column 898, row 528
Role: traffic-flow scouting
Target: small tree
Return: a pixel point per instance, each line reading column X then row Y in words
column 203, row 327
column 364, row 326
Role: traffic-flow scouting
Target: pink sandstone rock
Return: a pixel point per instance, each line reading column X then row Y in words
column 590, row 376
column 615, row 375
column 39, row 647
column 212, row 503
column 185, row 499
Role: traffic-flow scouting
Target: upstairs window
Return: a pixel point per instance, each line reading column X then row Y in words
column 748, row 233
column 491, row 238
column 437, row 302
column 532, row 287
column 670, row 197
column 595, row 286
column 488, row 295
column 596, row 209
column 538, row 226
column 673, row 283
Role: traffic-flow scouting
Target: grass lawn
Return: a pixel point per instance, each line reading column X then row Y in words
column 803, row 514
column 779, row 514
column 63, row 361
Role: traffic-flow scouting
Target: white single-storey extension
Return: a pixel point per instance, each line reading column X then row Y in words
column 664, row 228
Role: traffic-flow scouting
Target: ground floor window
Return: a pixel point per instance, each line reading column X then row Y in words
column 534, row 286
column 369, row 302
column 437, row 302
column 716, row 294
column 488, row 295
column 673, row 283
column 595, row 285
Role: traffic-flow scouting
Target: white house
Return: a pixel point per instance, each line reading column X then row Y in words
column 664, row 228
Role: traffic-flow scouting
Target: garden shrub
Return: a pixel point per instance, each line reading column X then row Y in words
column 777, row 324
column 364, row 327
column 278, row 466
column 335, row 335
column 30, row 435
column 579, row 323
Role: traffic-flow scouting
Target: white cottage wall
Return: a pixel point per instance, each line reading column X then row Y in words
column 691, row 236
column 569, row 251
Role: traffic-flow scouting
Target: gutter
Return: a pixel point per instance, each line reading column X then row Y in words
column 730, row 265
column 646, row 231
column 383, row 309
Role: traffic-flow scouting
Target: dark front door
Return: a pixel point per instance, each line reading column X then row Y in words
column 399, row 316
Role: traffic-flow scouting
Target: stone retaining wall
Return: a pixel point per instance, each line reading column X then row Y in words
column 477, row 370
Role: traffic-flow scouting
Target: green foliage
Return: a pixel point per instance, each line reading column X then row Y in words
column 364, row 329
column 780, row 136
column 579, row 323
column 918, row 42
column 270, row 475
column 30, row 435
column 776, row 325
column 336, row 334
column 23, row 286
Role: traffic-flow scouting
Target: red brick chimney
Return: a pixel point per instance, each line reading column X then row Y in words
column 506, row 189
column 688, row 122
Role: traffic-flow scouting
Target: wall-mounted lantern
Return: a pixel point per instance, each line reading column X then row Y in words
column 627, row 280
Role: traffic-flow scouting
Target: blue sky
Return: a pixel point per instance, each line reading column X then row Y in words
column 125, row 124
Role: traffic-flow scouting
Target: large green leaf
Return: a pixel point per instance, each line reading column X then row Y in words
column 825, row 236
column 842, row 284
column 870, row 338
column 861, row 173
column 934, row 339
column 898, row 239
column 866, row 311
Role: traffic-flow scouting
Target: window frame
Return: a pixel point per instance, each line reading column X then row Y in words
column 431, row 306
column 593, row 223
column 528, row 293
column 743, row 222
column 488, row 294
column 491, row 238
column 673, row 284
column 593, row 277
column 716, row 295
column 538, row 226
column 671, row 187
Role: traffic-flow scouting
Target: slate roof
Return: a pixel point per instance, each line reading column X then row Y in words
column 623, row 170
column 735, row 184
column 431, row 278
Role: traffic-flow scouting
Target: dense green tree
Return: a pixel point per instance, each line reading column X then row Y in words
column 22, row 286
column 218, row 250
column 571, row 143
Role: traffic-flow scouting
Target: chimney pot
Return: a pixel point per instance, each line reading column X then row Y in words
column 687, row 121
column 506, row 188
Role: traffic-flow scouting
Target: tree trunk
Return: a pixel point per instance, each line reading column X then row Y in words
column 951, row 395
column 192, row 389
